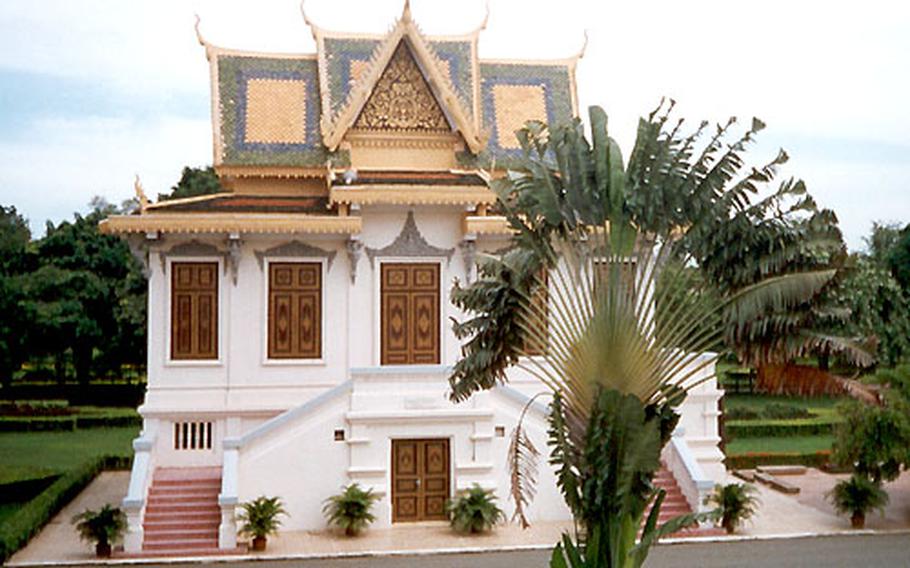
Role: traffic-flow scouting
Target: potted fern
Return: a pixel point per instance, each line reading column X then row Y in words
column 103, row 527
column 735, row 503
column 260, row 519
column 857, row 496
column 474, row 511
column 350, row 509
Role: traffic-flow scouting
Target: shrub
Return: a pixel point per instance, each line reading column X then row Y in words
column 260, row 517
column 856, row 497
column 739, row 413
column 103, row 527
column 736, row 502
column 474, row 511
column 751, row 460
column 350, row 509
column 784, row 429
column 778, row 411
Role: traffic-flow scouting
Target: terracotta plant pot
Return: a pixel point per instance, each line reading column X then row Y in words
column 350, row 531
column 259, row 543
column 103, row 550
column 858, row 520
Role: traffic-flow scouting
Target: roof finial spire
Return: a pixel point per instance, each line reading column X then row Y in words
column 406, row 12
column 306, row 19
column 141, row 197
column 486, row 16
column 584, row 46
column 199, row 37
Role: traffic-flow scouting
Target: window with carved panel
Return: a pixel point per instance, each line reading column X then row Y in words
column 410, row 314
column 194, row 310
column 295, row 310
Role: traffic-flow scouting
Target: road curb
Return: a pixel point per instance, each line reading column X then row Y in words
column 438, row 551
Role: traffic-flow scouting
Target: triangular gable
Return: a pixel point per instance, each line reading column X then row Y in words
column 402, row 99
column 406, row 35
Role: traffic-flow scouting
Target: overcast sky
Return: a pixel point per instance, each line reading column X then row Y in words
column 93, row 92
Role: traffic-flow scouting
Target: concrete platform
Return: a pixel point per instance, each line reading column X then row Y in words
column 779, row 516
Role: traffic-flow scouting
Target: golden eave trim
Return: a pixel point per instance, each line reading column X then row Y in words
column 230, row 223
column 410, row 195
column 269, row 171
column 492, row 225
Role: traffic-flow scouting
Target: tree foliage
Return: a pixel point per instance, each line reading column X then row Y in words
column 75, row 295
column 617, row 352
column 875, row 439
column 193, row 182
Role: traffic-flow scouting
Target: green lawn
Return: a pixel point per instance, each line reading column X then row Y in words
column 59, row 451
column 778, row 444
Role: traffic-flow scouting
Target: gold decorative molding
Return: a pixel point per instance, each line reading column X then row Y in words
column 401, row 99
column 230, row 223
column 492, row 225
column 269, row 171
column 410, row 195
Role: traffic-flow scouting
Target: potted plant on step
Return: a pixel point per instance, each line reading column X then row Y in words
column 474, row 511
column 856, row 497
column 735, row 503
column 350, row 509
column 103, row 527
column 260, row 519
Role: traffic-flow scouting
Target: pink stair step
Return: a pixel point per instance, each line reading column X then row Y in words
column 188, row 545
column 180, row 535
column 207, row 524
column 165, row 516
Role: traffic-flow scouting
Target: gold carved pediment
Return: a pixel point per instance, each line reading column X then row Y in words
column 402, row 100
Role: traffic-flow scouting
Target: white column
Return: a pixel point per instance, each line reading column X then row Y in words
column 134, row 502
column 227, row 500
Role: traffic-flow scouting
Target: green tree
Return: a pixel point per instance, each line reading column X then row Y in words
column 193, row 182
column 14, row 314
column 614, row 361
column 899, row 259
column 875, row 439
column 879, row 308
column 87, row 297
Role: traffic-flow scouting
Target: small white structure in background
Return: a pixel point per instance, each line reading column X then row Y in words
column 299, row 335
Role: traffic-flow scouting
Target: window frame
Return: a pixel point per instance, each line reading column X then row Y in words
column 377, row 306
column 169, row 360
column 266, row 328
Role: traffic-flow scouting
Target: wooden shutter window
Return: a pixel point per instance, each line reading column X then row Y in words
column 295, row 310
column 410, row 314
column 194, row 310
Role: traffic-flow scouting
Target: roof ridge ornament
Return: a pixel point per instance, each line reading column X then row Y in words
column 140, row 195
column 306, row 19
column 406, row 12
column 584, row 46
column 486, row 17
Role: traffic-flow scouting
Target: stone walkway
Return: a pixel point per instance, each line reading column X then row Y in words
column 778, row 515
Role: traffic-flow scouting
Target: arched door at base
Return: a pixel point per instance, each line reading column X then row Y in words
column 420, row 480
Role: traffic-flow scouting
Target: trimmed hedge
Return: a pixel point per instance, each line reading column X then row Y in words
column 782, row 429
column 751, row 460
column 65, row 423
column 36, row 513
column 20, row 490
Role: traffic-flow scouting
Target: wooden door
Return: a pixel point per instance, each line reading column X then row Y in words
column 420, row 480
column 410, row 314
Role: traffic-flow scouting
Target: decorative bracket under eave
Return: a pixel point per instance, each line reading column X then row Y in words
column 410, row 243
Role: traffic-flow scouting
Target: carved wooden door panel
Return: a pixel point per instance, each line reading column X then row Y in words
column 420, row 480
column 410, row 314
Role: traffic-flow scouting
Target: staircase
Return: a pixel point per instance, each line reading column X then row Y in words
column 182, row 514
column 675, row 503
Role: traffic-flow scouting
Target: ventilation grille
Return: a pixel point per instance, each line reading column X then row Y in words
column 192, row 435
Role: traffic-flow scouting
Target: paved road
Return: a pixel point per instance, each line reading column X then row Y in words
column 865, row 551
